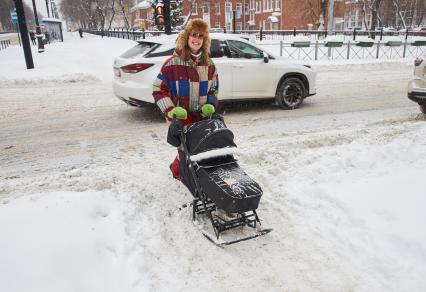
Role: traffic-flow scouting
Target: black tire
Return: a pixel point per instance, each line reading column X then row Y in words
column 291, row 93
column 423, row 108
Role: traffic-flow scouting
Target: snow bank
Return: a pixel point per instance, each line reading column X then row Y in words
column 76, row 59
column 66, row 241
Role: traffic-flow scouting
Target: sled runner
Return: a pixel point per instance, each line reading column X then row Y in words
column 222, row 191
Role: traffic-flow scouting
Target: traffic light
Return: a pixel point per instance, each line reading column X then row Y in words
column 159, row 13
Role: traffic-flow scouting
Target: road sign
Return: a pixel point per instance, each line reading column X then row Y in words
column 13, row 16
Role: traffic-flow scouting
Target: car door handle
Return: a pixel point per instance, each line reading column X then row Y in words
column 237, row 66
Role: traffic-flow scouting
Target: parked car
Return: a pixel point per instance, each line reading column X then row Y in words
column 419, row 31
column 246, row 72
column 417, row 85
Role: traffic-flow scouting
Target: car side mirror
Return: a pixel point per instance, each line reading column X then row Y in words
column 265, row 58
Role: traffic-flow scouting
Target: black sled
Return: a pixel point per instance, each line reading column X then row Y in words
column 222, row 191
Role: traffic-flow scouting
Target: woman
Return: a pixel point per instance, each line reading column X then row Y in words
column 187, row 86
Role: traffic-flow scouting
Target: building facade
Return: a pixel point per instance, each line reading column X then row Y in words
column 141, row 15
column 254, row 14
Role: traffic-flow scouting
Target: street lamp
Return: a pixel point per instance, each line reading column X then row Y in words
column 47, row 8
column 38, row 30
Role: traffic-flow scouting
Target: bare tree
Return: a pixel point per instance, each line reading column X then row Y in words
column 316, row 11
column 413, row 12
column 420, row 13
column 402, row 13
column 364, row 14
column 192, row 4
column 101, row 11
column 375, row 5
column 124, row 12
column 112, row 8
column 6, row 6
column 399, row 13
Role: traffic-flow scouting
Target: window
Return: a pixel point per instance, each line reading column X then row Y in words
column 257, row 6
column 277, row 5
column 239, row 10
column 140, row 50
column 194, row 8
column 167, row 52
column 228, row 7
column 228, row 15
column 242, row 50
column 217, row 8
column 216, row 50
column 246, row 8
column 239, row 26
column 206, row 8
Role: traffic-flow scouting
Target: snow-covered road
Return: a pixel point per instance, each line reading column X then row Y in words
column 87, row 202
column 46, row 123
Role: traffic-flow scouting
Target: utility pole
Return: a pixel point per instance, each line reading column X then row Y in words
column 38, row 30
column 24, row 34
column 47, row 8
column 167, row 17
column 330, row 23
column 233, row 20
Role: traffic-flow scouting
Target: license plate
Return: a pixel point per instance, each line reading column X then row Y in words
column 117, row 72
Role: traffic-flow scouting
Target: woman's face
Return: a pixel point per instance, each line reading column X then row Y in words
column 195, row 42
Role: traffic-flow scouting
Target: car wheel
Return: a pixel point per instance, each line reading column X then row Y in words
column 423, row 108
column 291, row 93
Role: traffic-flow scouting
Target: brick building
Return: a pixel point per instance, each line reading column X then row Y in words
column 141, row 14
column 254, row 14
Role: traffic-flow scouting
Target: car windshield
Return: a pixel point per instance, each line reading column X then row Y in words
column 139, row 50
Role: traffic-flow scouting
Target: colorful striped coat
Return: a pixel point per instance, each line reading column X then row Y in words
column 186, row 84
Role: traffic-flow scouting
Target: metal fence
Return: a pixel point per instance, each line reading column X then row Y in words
column 320, row 35
column 267, row 34
column 4, row 44
column 130, row 34
column 321, row 50
column 317, row 47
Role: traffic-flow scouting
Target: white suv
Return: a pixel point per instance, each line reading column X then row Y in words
column 245, row 71
column 417, row 85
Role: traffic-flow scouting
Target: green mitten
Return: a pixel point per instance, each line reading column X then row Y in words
column 207, row 110
column 178, row 112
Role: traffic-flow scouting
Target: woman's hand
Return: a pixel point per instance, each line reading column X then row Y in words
column 207, row 110
column 178, row 113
